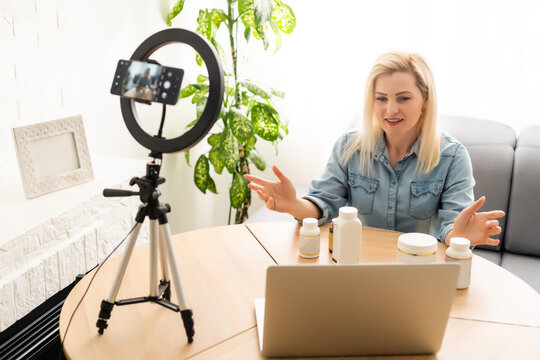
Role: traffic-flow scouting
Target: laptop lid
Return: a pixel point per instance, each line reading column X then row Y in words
column 365, row 309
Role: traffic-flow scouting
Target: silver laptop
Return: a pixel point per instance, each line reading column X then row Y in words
column 366, row 309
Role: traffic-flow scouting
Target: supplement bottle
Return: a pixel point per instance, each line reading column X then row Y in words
column 310, row 239
column 460, row 252
column 348, row 236
column 416, row 248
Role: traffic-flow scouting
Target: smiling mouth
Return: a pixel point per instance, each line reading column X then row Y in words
column 394, row 121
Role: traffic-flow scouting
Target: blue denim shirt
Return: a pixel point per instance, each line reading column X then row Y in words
column 397, row 198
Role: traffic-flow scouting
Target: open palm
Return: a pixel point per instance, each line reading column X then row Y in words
column 278, row 195
column 478, row 227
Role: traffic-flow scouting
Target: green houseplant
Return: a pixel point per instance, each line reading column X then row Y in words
column 248, row 113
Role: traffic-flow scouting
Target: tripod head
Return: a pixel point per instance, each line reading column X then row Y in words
column 148, row 191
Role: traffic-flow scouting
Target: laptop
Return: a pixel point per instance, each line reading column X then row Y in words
column 347, row 310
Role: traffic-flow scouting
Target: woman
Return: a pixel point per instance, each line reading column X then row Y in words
column 400, row 172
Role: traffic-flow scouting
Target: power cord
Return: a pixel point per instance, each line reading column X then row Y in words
column 90, row 283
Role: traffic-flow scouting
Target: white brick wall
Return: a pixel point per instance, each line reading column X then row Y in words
column 48, row 257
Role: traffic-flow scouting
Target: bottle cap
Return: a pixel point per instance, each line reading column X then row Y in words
column 348, row 212
column 310, row 223
column 417, row 243
column 460, row 243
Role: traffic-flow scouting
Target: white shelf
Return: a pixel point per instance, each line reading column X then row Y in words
column 19, row 214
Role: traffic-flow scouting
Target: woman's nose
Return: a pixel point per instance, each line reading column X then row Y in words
column 392, row 108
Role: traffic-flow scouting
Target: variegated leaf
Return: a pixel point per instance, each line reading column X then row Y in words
column 256, row 89
column 284, row 17
column 239, row 190
column 211, row 185
column 216, row 159
column 201, row 173
column 175, row 11
column 201, row 104
column 218, row 16
column 191, row 124
column 265, row 125
column 199, row 94
column 204, row 24
column 214, row 139
column 277, row 33
column 229, row 150
column 240, row 125
column 250, row 143
column 257, row 160
column 186, row 154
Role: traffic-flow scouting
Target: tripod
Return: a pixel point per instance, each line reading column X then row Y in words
column 160, row 242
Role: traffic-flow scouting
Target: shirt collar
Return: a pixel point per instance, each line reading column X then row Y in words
column 381, row 151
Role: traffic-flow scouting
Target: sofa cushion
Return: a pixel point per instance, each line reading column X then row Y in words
column 523, row 266
column 492, row 171
column 522, row 235
column 529, row 137
column 473, row 131
column 493, row 256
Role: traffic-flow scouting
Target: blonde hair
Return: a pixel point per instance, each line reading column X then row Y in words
column 428, row 132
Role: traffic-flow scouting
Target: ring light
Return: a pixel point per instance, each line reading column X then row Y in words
column 213, row 104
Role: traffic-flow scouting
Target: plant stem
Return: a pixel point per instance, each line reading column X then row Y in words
column 230, row 25
column 243, row 164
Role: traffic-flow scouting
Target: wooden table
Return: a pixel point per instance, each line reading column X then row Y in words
column 223, row 270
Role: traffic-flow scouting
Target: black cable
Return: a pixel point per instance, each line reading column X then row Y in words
column 90, row 283
column 162, row 121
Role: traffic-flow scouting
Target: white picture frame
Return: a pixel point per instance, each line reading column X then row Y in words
column 52, row 155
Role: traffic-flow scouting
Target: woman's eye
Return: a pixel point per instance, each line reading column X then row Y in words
column 403, row 99
column 380, row 98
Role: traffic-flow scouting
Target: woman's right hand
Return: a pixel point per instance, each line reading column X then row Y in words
column 277, row 195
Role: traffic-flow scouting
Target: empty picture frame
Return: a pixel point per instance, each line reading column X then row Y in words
column 52, row 155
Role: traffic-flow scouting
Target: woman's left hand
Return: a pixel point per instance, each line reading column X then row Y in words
column 477, row 226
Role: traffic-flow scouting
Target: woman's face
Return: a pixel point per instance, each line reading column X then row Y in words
column 398, row 103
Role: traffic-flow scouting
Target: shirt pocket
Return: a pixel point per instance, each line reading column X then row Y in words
column 362, row 192
column 425, row 196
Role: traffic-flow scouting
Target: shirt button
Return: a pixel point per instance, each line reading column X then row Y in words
column 352, row 183
column 390, row 207
column 394, row 182
column 436, row 190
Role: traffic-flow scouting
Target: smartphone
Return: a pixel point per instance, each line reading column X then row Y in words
column 147, row 82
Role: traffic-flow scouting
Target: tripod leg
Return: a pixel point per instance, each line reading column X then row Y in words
column 107, row 305
column 154, row 238
column 164, row 269
column 187, row 314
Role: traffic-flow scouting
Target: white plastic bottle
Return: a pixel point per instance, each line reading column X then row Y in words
column 460, row 252
column 310, row 239
column 348, row 238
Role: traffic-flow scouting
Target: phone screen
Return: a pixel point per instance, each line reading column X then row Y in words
column 147, row 81
column 140, row 81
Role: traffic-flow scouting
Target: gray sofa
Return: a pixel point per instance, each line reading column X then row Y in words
column 507, row 172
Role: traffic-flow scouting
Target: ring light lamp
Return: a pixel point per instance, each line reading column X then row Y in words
column 213, row 104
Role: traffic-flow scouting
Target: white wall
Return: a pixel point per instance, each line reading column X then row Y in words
column 57, row 59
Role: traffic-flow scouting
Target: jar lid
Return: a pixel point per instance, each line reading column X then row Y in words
column 348, row 212
column 460, row 243
column 310, row 223
column 417, row 243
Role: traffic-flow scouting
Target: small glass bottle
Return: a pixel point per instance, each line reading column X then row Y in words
column 460, row 252
column 348, row 238
column 331, row 235
column 310, row 239
column 416, row 248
